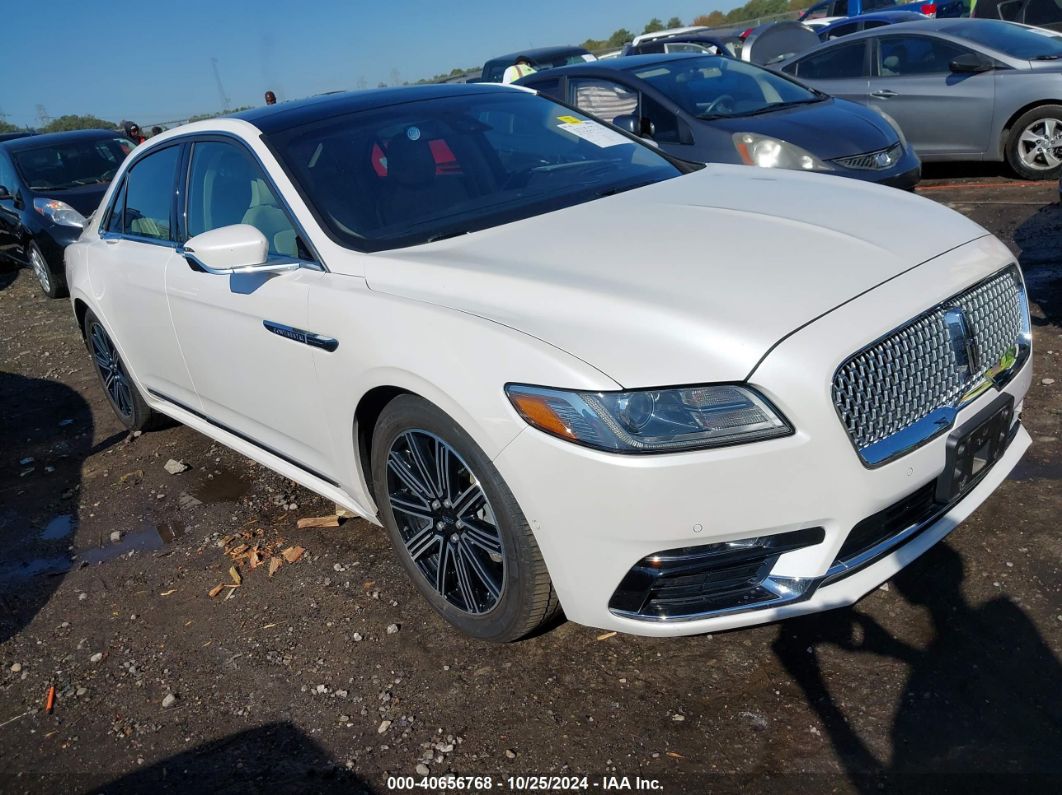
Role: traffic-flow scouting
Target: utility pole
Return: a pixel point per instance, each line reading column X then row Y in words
column 221, row 88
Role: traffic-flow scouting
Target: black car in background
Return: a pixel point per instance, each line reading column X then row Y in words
column 540, row 58
column 48, row 185
column 714, row 109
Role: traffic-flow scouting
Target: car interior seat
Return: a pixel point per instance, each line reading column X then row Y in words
column 414, row 188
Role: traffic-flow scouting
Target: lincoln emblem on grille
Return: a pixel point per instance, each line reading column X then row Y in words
column 963, row 342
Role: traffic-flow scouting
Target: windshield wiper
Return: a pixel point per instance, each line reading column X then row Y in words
column 1053, row 57
column 623, row 188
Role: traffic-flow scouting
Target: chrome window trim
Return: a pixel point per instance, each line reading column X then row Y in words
column 154, row 241
column 942, row 419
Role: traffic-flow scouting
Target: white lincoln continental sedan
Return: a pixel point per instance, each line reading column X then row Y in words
column 561, row 369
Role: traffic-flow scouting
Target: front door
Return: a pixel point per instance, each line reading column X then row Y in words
column 940, row 111
column 252, row 377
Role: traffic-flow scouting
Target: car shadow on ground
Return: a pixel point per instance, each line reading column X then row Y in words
column 8, row 274
column 275, row 758
column 1039, row 237
column 967, row 171
column 46, row 432
column 982, row 701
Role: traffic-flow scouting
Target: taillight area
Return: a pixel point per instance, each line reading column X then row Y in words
column 929, row 10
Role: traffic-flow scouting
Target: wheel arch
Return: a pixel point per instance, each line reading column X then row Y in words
column 1001, row 143
column 81, row 308
column 366, row 414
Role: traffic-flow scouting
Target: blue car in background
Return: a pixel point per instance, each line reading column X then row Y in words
column 843, row 27
column 855, row 8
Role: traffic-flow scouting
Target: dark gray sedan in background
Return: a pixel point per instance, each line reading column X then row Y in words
column 961, row 89
column 714, row 109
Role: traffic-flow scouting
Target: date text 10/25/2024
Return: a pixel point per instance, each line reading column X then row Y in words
column 529, row 783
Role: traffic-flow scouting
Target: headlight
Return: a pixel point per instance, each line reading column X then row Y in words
column 651, row 420
column 59, row 212
column 766, row 152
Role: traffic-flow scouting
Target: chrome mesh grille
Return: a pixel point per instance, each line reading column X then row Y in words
column 868, row 161
column 914, row 371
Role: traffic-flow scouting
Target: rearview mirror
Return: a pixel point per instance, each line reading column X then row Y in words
column 240, row 248
column 972, row 62
column 5, row 193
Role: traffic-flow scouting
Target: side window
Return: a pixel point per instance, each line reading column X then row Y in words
column 839, row 8
column 877, row 5
column 148, row 192
column 603, row 98
column 834, row 63
column 115, row 222
column 818, row 11
column 915, row 55
column 7, row 174
column 843, row 30
column 228, row 187
column 550, row 87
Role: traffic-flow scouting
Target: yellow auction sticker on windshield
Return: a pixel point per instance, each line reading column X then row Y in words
column 569, row 119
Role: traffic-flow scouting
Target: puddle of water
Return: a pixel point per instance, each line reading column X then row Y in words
column 25, row 569
column 59, row 527
column 224, row 486
column 147, row 539
column 1029, row 469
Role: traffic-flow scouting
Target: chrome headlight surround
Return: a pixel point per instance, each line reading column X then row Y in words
column 665, row 420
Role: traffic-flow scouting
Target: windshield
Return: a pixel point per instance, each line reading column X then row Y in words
column 72, row 164
column 1017, row 41
column 714, row 87
column 421, row 171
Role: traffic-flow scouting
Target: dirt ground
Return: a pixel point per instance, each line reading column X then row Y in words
column 332, row 674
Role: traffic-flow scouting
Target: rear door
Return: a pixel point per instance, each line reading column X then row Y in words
column 941, row 112
column 128, row 267
column 840, row 70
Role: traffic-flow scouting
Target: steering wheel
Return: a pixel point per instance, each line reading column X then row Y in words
column 722, row 100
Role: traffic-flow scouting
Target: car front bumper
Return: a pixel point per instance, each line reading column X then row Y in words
column 596, row 515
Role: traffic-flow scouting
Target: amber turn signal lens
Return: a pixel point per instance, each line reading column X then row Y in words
column 537, row 411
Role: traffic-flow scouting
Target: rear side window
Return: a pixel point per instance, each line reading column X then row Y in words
column 146, row 199
column 604, row 99
column 836, row 63
column 550, row 87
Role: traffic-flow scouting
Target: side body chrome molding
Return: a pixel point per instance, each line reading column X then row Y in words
column 300, row 335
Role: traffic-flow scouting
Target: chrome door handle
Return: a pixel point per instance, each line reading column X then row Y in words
column 884, row 94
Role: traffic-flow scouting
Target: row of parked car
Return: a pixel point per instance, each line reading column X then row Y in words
column 871, row 99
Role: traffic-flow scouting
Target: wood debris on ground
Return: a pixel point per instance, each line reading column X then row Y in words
column 606, row 636
column 318, row 521
column 250, row 547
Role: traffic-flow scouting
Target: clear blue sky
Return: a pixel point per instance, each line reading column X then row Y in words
column 150, row 60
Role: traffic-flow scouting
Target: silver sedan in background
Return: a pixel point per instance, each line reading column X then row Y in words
column 960, row 89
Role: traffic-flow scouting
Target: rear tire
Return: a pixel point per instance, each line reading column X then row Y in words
column 456, row 526
column 1034, row 144
column 52, row 284
column 128, row 404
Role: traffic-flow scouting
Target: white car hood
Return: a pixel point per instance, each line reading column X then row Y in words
column 686, row 281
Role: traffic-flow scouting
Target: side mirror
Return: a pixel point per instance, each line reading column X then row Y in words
column 972, row 62
column 236, row 249
column 5, row 194
column 638, row 125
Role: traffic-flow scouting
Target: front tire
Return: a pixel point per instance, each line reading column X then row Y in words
column 52, row 284
column 1034, row 144
column 456, row 526
column 128, row 404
